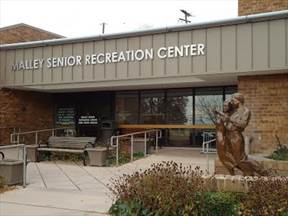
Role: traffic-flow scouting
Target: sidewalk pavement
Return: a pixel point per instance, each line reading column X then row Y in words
column 65, row 188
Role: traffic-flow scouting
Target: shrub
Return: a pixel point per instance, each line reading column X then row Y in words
column 128, row 208
column 222, row 203
column 164, row 189
column 281, row 153
column 267, row 196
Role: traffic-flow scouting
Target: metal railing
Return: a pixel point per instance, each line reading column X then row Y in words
column 208, row 139
column 15, row 137
column 21, row 157
column 158, row 135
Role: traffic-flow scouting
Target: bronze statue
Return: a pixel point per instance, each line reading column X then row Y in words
column 229, row 139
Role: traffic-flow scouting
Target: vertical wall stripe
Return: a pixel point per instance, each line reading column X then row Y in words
column 236, row 47
column 206, row 50
column 268, row 42
column 165, row 35
column 23, row 74
column 139, row 62
column 93, row 66
column 152, row 61
column 127, row 48
column 83, row 61
column 33, row 68
column 115, row 64
column 220, row 50
column 62, row 75
column 72, row 68
column 42, row 69
column 52, row 77
column 14, row 73
column 252, row 49
column 286, row 44
column 191, row 57
column 104, row 55
column 178, row 57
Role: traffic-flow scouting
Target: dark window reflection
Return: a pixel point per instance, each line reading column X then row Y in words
column 152, row 107
column 207, row 100
column 179, row 107
column 127, row 107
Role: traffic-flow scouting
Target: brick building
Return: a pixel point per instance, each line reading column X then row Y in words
column 160, row 78
column 17, row 107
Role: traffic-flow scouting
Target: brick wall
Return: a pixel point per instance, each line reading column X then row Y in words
column 24, row 33
column 246, row 7
column 25, row 110
column 267, row 98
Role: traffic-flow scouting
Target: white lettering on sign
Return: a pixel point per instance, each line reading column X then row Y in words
column 111, row 57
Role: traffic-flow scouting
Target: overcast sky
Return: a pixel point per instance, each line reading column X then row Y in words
column 75, row 18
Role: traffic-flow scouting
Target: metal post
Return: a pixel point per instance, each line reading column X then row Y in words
column 156, row 141
column 145, row 144
column 117, row 151
column 36, row 138
column 132, row 143
column 18, row 138
column 24, row 166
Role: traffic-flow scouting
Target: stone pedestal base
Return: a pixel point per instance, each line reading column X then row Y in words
column 11, row 171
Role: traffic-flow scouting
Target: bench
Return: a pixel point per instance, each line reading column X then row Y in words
column 75, row 145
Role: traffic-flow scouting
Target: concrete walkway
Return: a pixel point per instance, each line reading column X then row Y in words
column 61, row 188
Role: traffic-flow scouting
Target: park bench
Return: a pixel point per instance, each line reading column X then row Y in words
column 75, row 145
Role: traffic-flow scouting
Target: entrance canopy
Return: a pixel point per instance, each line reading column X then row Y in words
column 201, row 54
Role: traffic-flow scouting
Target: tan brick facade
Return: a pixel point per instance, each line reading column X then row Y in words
column 246, row 7
column 24, row 110
column 267, row 98
column 23, row 33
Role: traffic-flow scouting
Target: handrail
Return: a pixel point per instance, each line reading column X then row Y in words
column 205, row 146
column 158, row 134
column 17, row 135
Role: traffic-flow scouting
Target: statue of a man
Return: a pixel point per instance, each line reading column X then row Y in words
column 235, row 122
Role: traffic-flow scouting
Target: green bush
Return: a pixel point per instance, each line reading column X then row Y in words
column 128, row 208
column 266, row 196
column 222, row 203
column 281, row 153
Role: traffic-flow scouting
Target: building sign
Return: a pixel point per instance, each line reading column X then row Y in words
column 112, row 57
column 65, row 116
column 88, row 120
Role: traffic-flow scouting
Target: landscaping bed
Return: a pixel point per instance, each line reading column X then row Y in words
column 170, row 189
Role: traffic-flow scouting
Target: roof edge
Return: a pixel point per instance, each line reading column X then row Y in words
column 224, row 22
column 29, row 26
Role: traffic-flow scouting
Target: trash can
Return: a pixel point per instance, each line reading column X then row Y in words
column 108, row 128
column 11, row 171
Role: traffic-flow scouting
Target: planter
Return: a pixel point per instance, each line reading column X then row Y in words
column 97, row 156
column 31, row 151
column 11, row 171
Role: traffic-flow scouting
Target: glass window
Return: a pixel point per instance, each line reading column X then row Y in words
column 127, row 107
column 179, row 106
column 229, row 91
column 206, row 101
column 152, row 107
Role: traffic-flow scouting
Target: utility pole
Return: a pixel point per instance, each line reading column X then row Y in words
column 186, row 15
column 103, row 27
